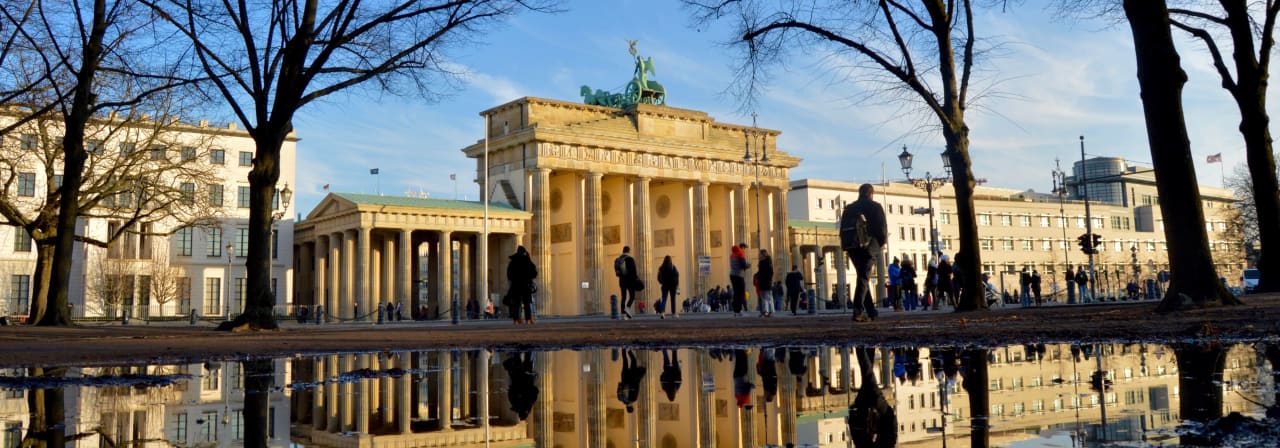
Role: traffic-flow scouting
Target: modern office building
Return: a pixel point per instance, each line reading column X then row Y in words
column 173, row 200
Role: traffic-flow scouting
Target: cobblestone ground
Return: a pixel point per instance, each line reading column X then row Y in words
column 156, row 342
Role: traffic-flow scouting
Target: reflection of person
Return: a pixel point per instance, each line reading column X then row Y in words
column 864, row 306
column 521, row 272
column 767, row 368
column 872, row 421
column 632, row 375
column 741, row 387
column 670, row 377
column 523, row 391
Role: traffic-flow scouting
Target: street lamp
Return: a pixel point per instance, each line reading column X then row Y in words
column 227, row 302
column 285, row 195
column 929, row 183
column 760, row 156
column 1060, row 190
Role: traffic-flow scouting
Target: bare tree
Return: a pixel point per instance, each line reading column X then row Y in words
column 887, row 38
column 166, row 280
column 1194, row 279
column 1250, row 27
column 268, row 61
column 112, row 283
column 75, row 61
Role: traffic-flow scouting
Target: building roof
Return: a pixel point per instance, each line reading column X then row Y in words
column 405, row 201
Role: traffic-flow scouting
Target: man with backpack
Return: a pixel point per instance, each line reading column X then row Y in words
column 862, row 232
column 625, row 268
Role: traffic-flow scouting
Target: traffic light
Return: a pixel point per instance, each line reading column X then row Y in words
column 1097, row 242
column 1085, row 243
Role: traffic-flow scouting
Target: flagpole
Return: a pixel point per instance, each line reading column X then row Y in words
column 484, row 240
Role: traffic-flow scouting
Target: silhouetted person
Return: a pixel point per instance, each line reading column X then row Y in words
column 872, row 422
column 521, row 272
column 741, row 387
column 632, row 375
column 767, row 368
column 670, row 377
column 523, row 391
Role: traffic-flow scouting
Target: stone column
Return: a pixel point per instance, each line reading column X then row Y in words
column 386, row 392
column 543, row 411
column 644, row 242
column 331, row 404
column 701, row 237
column 404, row 275
column 787, row 395
column 345, row 421
column 594, row 403
column 842, row 279
column 541, row 236
column 364, row 278
column 403, row 394
column 646, row 404
column 334, row 299
column 320, row 291
column 444, row 271
column 349, row 276
column 303, row 274
column 706, row 400
column 320, row 403
column 389, row 273
column 362, row 399
column 376, row 274
column 444, row 389
column 781, row 232
column 482, row 387
column 593, row 233
column 479, row 274
column 739, row 217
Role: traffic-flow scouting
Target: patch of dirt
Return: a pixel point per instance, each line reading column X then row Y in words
column 25, row 346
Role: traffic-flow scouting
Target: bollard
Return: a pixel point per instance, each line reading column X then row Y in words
column 453, row 311
column 813, row 305
column 319, row 314
column 194, row 317
column 613, row 306
column 124, row 316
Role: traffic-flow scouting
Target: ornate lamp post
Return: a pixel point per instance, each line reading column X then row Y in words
column 756, row 158
column 1060, row 190
column 285, row 196
column 226, row 314
column 929, row 183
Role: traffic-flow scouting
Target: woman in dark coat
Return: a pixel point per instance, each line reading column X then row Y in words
column 521, row 272
column 669, row 278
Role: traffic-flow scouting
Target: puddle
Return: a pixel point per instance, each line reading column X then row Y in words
column 1032, row 395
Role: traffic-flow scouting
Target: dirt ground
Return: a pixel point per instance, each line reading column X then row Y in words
column 102, row 344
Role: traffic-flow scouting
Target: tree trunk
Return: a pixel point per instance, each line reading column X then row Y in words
column 40, row 280
column 1194, row 278
column 259, row 301
column 73, row 171
column 48, row 414
column 1250, row 95
column 1200, row 384
column 975, row 383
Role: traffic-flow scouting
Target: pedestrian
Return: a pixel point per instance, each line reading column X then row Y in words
column 931, row 283
column 1024, row 281
column 399, row 311
column 794, row 283
column 1071, row 285
column 764, row 278
column 669, row 279
column 907, row 285
column 737, row 284
column 390, row 310
column 779, row 293
column 945, row 291
column 520, row 272
column 1082, row 282
column 624, row 267
column 862, row 231
column 302, row 314
column 895, row 282
column 1035, row 285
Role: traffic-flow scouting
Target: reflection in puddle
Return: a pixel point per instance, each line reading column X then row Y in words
column 1016, row 396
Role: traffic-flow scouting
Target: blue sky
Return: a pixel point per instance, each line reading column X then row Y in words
column 1052, row 82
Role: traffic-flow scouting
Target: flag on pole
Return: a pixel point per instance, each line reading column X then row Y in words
column 326, row 187
column 1214, row 158
column 453, row 176
column 373, row 171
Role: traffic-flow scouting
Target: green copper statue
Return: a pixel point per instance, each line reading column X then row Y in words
column 640, row 90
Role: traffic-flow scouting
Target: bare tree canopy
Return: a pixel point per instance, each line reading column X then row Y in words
column 906, row 49
column 268, row 61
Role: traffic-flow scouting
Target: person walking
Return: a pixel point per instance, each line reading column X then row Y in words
column 907, row 286
column 1082, row 282
column 1024, row 282
column 738, row 285
column 945, row 291
column 931, row 284
column 895, row 285
column 1071, row 286
column 862, row 231
column 764, row 278
column 625, row 268
column 1035, row 285
column 669, row 279
column 795, row 283
column 521, row 272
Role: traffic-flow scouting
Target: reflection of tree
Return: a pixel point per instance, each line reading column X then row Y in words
column 48, row 416
column 975, row 384
column 1200, row 369
column 258, row 381
column 872, row 422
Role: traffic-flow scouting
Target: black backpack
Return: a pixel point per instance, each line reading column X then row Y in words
column 855, row 231
column 620, row 266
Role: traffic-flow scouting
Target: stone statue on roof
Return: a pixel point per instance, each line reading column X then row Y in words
column 639, row 90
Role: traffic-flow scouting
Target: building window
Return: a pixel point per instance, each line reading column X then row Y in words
column 94, row 147
column 29, row 142
column 1046, row 244
column 57, row 181
column 215, row 195
column 275, row 244
column 157, row 152
column 986, row 244
column 180, row 428
column 238, row 304
column 1044, row 221
column 212, row 297
column 1024, row 220
column 946, row 218
column 1006, row 244
column 273, row 288
column 184, row 295
column 819, row 203
column 237, row 424
column 188, row 190
column 947, row 244
column 1080, row 222
column 127, row 149
column 218, row 157
column 27, row 184
column 1151, row 246
column 242, row 242
column 19, row 292
column 1006, row 220
column 242, row 199
column 1027, row 245
column 188, row 153
column 208, row 430
column 984, row 219
column 183, row 237
column 214, row 237
column 21, row 240
column 246, row 158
